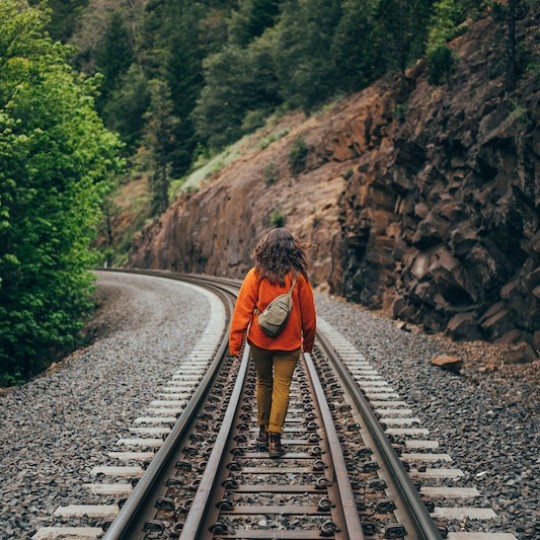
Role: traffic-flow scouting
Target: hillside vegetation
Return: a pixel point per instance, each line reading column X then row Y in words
column 417, row 196
column 180, row 82
column 183, row 79
column 55, row 158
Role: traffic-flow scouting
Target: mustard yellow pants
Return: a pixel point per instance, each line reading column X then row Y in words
column 274, row 375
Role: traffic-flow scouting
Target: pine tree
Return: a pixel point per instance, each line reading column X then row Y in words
column 64, row 17
column 352, row 51
column 302, row 55
column 125, row 108
column 401, row 31
column 251, row 19
column 113, row 56
column 184, row 72
column 159, row 129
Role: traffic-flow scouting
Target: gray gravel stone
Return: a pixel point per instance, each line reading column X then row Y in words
column 487, row 418
column 55, row 429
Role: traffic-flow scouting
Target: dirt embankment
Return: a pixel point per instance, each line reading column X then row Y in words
column 421, row 200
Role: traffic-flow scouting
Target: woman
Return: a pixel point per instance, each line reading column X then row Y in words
column 279, row 259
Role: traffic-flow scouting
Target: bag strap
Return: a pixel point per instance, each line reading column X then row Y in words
column 289, row 294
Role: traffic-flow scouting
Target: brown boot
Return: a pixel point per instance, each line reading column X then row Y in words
column 261, row 442
column 275, row 448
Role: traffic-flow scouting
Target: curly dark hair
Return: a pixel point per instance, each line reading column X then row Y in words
column 277, row 253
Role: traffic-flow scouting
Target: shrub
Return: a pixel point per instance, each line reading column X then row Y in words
column 440, row 64
column 277, row 218
column 253, row 120
column 499, row 11
column 271, row 174
column 298, row 155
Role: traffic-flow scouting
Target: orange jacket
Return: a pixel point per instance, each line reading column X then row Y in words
column 255, row 293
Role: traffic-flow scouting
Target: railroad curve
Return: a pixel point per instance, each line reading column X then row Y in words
column 167, row 423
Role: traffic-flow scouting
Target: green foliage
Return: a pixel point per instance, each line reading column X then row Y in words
column 277, row 218
column 298, row 155
column 352, row 52
column 236, row 82
column 159, row 129
column 64, row 16
column 251, row 19
column 220, row 111
column 254, row 120
column 228, row 65
column 126, row 106
column 55, row 154
column 444, row 25
column 400, row 31
column 113, row 56
column 499, row 11
column 440, row 64
column 265, row 143
column 271, row 174
column 182, row 49
column 400, row 112
column 302, row 59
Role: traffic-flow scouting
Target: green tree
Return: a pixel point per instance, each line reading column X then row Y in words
column 240, row 84
column 180, row 34
column 251, row 19
column 353, row 54
column 183, row 61
column 55, row 156
column 220, row 109
column 128, row 102
column 401, row 31
column 113, row 56
column 302, row 53
column 64, row 17
column 159, row 129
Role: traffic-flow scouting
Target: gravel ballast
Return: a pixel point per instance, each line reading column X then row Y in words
column 55, row 429
column 487, row 418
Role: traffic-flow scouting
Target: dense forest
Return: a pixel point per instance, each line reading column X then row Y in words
column 86, row 85
column 183, row 79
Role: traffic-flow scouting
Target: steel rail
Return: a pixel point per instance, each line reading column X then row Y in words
column 341, row 475
column 132, row 516
column 199, row 508
column 417, row 513
column 229, row 285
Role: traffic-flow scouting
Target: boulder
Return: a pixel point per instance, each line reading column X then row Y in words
column 521, row 353
column 463, row 239
column 448, row 363
column 421, row 265
column 497, row 321
column 464, row 326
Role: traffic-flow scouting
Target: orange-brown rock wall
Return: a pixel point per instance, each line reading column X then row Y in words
column 442, row 224
column 420, row 199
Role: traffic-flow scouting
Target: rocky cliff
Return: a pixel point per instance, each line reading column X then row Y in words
column 419, row 199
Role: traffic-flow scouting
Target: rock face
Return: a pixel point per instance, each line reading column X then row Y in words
column 441, row 216
column 422, row 200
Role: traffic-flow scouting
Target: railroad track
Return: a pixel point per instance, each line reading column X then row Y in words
column 342, row 477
